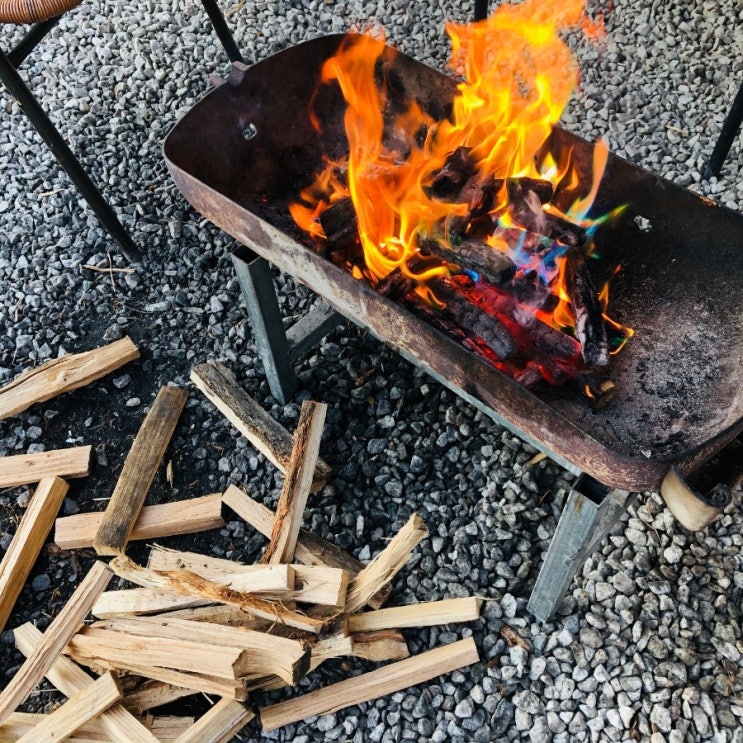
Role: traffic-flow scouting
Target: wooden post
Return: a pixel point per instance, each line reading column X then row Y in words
column 64, row 375
column 28, row 541
column 297, row 483
column 139, row 471
column 57, row 635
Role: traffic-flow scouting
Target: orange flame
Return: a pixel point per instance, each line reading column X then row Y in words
column 518, row 77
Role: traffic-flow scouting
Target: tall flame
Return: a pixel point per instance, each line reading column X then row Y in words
column 518, row 77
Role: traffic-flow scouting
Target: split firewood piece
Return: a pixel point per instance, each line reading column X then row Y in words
column 154, row 522
column 23, row 469
column 311, row 584
column 167, row 728
column 310, row 550
column 224, row 614
column 219, row 724
column 296, row 488
column 70, row 679
column 590, row 327
column 27, row 542
column 379, row 645
column 136, row 601
column 191, row 584
column 267, row 435
column 426, row 614
column 192, row 682
column 373, row 685
column 151, row 694
column 386, row 564
column 273, row 579
column 64, row 375
column 139, row 471
column 80, row 708
column 266, row 653
column 57, row 635
column 121, row 649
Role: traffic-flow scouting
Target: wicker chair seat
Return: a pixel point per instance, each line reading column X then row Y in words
column 33, row 11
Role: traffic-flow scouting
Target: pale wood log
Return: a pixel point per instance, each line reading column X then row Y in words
column 219, row 724
column 220, row 614
column 271, row 439
column 69, row 678
column 685, row 503
column 139, row 470
column 386, row 564
column 64, row 375
column 154, row 522
column 57, row 635
column 137, row 601
column 297, row 482
column 191, row 584
column 310, row 549
column 27, row 542
column 373, row 685
column 317, row 584
column 151, row 694
column 81, row 707
column 121, row 648
column 194, row 682
column 279, row 579
column 24, row 469
column 378, row 646
column 267, row 653
column 426, row 614
column 167, row 728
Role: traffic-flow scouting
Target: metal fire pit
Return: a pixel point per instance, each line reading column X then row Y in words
column 242, row 153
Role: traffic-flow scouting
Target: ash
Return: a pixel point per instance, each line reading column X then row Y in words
column 647, row 644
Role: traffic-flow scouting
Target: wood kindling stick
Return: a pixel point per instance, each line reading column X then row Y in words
column 80, row 708
column 191, row 584
column 386, row 564
column 219, row 724
column 296, row 489
column 154, row 522
column 373, row 685
column 27, row 542
column 70, row 679
column 64, row 374
column 377, row 646
column 151, row 694
column 310, row 550
column 271, row 439
column 317, row 584
column 426, row 614
column 139, row 471
column 24, row 469
column 267, row 653
column 57, row 635
column 142, row 601
column 249, row 578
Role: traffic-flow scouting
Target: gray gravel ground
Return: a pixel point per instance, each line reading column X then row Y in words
column 647, row 645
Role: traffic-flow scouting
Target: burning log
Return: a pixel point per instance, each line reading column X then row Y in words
column 590, row 327
column 527, row 212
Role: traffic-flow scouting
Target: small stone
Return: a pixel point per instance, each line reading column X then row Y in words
column 591, row 638
column 661, row 718
column 41, row 583
column 604, row 591
column 522, row 720
column 509, row 605
column 465, row 708
column 673, row 554
column 528, row 701
column 133, row 402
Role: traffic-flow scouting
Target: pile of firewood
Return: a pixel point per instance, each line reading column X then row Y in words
column 194, row 623
column 485, row 299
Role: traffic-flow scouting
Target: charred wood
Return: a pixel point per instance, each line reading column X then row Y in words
column 490, row 263
column 590, row 327
column 340, row 226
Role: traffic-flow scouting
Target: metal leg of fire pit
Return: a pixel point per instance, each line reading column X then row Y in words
column 591, row 511
column 277, row 347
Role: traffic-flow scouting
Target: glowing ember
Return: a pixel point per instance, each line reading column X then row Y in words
column 477, row 174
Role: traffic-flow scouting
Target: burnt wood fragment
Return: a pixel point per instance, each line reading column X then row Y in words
column 490, row 263
column 590, row 328
column 340, row 225
column 528, row 213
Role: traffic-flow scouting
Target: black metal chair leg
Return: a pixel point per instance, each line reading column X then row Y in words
column 223, row 32
column 18, row 89
column 727, row 135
